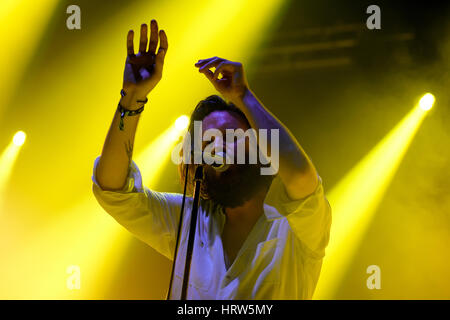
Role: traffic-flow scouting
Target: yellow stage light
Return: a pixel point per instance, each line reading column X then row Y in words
column 182, row 122
column 156, row 154
column 427, row 101
column 19, row 138
column 8, row 159
column 356, row 197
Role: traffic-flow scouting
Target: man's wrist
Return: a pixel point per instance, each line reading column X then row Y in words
column 130, row 100
column 244, row 98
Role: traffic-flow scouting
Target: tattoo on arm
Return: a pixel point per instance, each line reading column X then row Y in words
column 129, row 150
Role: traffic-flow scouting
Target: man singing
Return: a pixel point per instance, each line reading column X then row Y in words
column 244, row 248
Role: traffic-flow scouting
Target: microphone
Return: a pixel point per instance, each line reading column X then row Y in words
column 220, row 167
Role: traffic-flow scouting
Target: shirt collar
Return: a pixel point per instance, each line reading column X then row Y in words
column 271, row 213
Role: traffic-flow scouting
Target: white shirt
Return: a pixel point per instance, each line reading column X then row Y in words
column 280, row 259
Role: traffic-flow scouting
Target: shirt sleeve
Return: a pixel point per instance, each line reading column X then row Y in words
column 151, row 216
column 309, row 217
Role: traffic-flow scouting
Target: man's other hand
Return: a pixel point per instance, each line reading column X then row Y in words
column 232, row 84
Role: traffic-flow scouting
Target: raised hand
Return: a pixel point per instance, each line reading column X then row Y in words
column 233, row 83
column 143, row 70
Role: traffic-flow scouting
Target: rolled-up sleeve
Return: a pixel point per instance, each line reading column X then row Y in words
column 151, row 216
column 309, row 217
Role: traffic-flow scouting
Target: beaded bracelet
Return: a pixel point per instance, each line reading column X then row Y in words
column 125, row 112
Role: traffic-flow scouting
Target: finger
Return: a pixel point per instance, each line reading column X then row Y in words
column 222, row 67
column 163, row 45
column 209, row 74
column 203, row 61
column 130, row 46
column 153, row 36
column 143, row 41
column 211, row 64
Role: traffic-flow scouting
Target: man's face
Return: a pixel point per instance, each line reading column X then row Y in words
column 240, row 182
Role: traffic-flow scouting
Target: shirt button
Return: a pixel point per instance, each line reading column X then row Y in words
column 201, row 244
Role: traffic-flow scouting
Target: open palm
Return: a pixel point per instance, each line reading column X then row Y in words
column 143, row 70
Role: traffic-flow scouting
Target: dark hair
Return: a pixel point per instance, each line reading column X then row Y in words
column 203, row 109
column 211, row 104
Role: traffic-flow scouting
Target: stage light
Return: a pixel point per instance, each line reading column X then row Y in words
column 355, row 199
column 19, row 138
column 156, row 154
column 427, row 101
column 8, row 159
column 182, row 122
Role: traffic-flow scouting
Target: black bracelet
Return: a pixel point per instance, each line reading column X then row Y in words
column 125, row 112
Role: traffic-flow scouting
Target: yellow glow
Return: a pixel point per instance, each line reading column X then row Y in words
column 57, row 244
column 7, row 160
column 355, row 199
column 19, row 138
column 156, row 154
column 427, row 101
column 22, row 25
column 182, row 122
column 105, row 238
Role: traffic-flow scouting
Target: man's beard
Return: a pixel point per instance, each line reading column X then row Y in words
column 235, row 186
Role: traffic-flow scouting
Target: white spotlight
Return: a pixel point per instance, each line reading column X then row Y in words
column 182, row 122
column 19, row 138
column 427, row 101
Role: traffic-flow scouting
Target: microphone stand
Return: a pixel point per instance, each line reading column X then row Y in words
column 187, row 267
